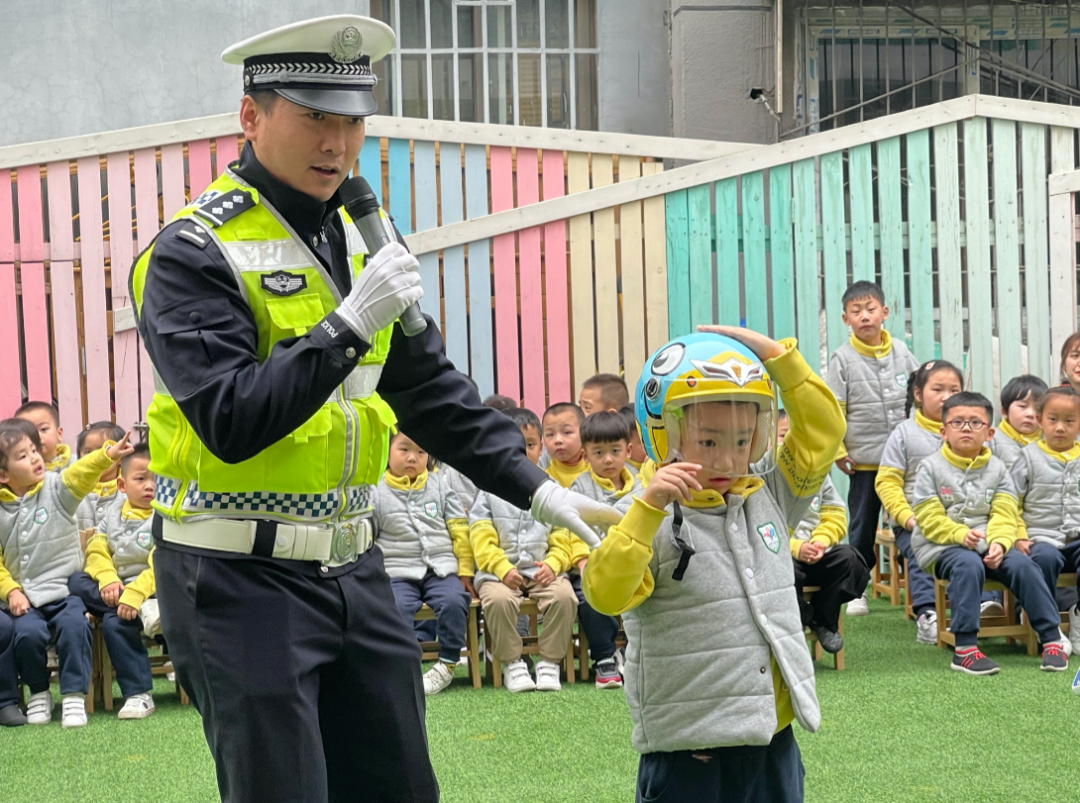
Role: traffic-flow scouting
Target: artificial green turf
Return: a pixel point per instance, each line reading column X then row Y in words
column 897, row 726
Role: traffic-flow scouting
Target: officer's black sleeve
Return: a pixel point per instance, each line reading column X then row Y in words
column 201, row 336
column 437, row 407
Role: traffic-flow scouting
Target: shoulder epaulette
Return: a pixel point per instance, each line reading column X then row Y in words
column 223, row 206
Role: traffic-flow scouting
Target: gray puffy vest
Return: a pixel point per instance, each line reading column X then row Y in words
column 908, row 446
column 461, row 485
column 92, row 509
column 1049, row 492
column 521, row 537
column 413, row 535
column 130, row 540
column 587, row 486
column 1005, row 448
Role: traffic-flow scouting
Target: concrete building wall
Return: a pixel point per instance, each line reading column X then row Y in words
column 635, row 72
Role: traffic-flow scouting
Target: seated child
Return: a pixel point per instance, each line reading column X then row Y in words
column 423, row 533
column 717, row 665
column 606, row 436
column 908, row 445
column 821, row 560
column 44, row 416
column 518, row 556
column 965, row 508
column 92, row 508
column 562, row 442
column 1019, row 425
column 635, row 455
column 39, row 541
column 119, row 579
column 465, row 489
column 11, row 716
column 603, row 393
column 1047, row 480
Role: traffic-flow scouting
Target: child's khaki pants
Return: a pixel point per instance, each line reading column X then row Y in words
column 557, row 603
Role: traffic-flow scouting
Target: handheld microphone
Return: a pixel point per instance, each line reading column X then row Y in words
column 363, row 207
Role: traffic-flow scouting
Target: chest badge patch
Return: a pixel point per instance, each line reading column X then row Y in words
column 769, row 536
column 990, row 495
column 901, row 381
column 432, row 509
column 41, row 516
column 946, row 492
column 815, row 505
column 283, row 283
column 144, row 538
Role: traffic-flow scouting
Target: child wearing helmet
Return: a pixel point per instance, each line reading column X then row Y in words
column 717, row 665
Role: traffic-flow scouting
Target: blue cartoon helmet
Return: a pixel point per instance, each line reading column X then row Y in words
column 697, row 368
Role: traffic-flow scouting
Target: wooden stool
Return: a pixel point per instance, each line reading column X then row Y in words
column 472, row 640
column 531, row 646
column 886, row 583
column 1064, row 581
column 160, row 664
column 812, row 640
column 581, row 648
column 989, row 626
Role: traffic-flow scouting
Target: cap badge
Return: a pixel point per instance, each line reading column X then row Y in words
column 346, row 44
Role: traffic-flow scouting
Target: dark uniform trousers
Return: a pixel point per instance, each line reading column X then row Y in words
column 308, row 683
column 8, row 687
column 842, row 576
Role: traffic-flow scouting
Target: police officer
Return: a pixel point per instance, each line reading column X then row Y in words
column 279, row 372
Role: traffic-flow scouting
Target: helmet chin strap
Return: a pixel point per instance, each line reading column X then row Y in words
column 685, row 545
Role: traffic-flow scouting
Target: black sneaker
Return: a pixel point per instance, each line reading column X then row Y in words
column 607, row 675
column 830, row 641
column 973, row 662
column 1054, row 658
column 11, row 716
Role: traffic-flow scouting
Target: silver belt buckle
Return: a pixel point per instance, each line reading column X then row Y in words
column 345, row 544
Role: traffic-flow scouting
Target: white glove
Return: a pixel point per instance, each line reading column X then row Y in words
column 554, row 505
column 385, row 289
column 151, row 618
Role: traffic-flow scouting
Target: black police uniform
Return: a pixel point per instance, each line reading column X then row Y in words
column 306, row 676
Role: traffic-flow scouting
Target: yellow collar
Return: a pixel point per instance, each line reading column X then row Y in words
column 626, row 482
column 63, row 456
column 966, row 463
column 106, row 489
column 1063, row 457
column 6, row 494
column 933, row 427
column 743, row 487
column 877, row 352
column 564, row 474
column 129, row 512
column 403, row 483
column 1010, row 432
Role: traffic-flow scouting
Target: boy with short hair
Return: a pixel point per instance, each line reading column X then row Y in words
column 119, row 580
column 92, row 508
column 868, row 375
column 635, row 456
column 45, row 417
column 562, row 441
column 717, row 665
column 1019, row 425
column 603, row 393
column 39, row 541
column 516, row 555
column 966, row 514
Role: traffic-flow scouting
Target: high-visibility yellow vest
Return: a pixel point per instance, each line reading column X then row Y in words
column 324, row 468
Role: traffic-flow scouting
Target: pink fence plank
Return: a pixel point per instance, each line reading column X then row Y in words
column 146, row 225
column 227, row 151
column 172, row 180
column 95, row 324
column 531, row 286
column 32, row 277
column 122, row 253
column 198, row 166
column 558, row 319
column 506, row 312
column 7, row 217
column 10, row 374
column 65, row 324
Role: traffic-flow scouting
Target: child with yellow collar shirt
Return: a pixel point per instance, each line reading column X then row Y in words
column 118, row 585
column 46, row 419
column 562, row 443
column 93, row 506
column 423, row 532
column 39, row 541
column 717, row 666
column 965, row 508
column 1019, row 425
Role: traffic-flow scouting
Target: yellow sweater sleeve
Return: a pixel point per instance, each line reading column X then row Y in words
column 485, row 548
column 141, row 588
column 558, row 556
column 7, row 585
column 795, row 545
column 889, row 485
column 1021, row 525
column 842, row 451
column 1003, row 527
column 936, row 525
column 99, row 562
column 82, row 476
column 617, row 576
column 833, row 526
column 459, row 535
column 579, row 550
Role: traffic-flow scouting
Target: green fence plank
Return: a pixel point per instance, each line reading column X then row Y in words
column 1006, row 252
column 980, row 279
column 920, row 253
column 833, row 245
column 891, row 224
column 807, row 289
column 754, row 279
column 727, row 251
column 861, row 188
column 781, row 265
column 699, row 204
column 1036, row 253
column 950, row 286
column 678, row 263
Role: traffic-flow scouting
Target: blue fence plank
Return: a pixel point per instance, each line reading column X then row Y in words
column 481, row 349
column 400, row 175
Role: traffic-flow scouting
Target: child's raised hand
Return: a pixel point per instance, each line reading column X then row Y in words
column 671, row 482
column 972, row 538
column 110, row 595
column 762, row 345
column 17, row 602
column 513, row 580
column 994, row 555
column 126, row 612
column 544, row 574
column 467, row 584
column 120, row 448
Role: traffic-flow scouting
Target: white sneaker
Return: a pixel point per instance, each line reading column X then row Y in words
column 517, row 677
column 991, row 608
column 137, row 706
column 1066, row 644
column 1074, row 629
column 74, row 711
column 926, row 628
column 547, row 676
column 150, row 615
column 39, row 708
column 437, row 678
column 858, row 607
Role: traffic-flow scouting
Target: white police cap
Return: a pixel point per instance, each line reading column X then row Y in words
column 322, row 64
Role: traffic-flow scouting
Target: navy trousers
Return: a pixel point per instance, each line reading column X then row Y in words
column 450, row 601
column 920, row 585
column 123, row 638
column 966, row 573
column 864, row 514
column 9, row 691
column 842, row 576
column 66, row 619
column 601, row 630
column 771, row 773
column 1053, row 561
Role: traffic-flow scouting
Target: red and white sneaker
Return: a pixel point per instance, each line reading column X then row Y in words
column 607, row 674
